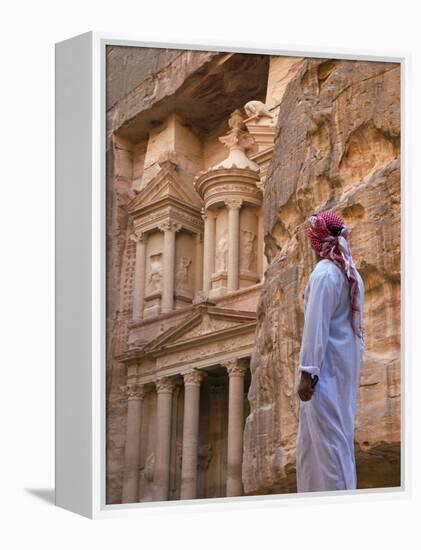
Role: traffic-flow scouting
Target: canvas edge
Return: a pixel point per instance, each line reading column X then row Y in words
column 73, row 269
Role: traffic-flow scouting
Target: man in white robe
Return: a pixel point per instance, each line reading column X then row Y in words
column 330, row 357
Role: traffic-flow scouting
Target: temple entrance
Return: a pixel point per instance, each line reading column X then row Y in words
column 212, row 447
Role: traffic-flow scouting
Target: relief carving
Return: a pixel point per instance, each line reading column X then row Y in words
column 155, row 273
column 205, row 455
column 182, row 275
column 221, row 257
column 209, row 350
column 149, row 468
column 208, row 325
column 248, row 250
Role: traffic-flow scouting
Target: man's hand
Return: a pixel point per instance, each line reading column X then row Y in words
column 305, row 391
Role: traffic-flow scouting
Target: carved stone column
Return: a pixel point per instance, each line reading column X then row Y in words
column 139, row 275
column 192, row 380
column 135, row 394
column 198, row 275
column 236, row 371
column 233, row 206
column 208, row 248
column 261, row 258
column 164, row 387
column 169, row 228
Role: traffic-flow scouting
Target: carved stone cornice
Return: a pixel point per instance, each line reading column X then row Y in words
column 235, row 367
column 217, row 185
column 261, row 184
column 193, row 377
column 165, row 384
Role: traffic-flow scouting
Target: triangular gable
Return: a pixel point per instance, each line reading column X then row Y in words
column 166, row 184
column 207, row 320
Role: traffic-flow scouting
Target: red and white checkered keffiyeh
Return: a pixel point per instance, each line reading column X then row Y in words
column 329, row 238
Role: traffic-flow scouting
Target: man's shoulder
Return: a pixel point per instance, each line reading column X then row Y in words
column 325, row 268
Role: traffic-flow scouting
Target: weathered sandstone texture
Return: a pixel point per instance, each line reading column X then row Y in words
column 337, row 146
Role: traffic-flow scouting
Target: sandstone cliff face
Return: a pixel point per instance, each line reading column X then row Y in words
column 337, row 147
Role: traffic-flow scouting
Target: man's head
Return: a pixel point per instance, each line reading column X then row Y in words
column 328, row 236
column 322, row 227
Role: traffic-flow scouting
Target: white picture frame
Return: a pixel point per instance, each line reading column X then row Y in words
column 80, row 280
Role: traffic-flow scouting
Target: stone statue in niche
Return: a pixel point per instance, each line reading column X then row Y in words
column 146, row 479
column 248, row 249
column 205, row 455
column 182, row 275
column 221, row 255
column 155, row 273
column 149, row 468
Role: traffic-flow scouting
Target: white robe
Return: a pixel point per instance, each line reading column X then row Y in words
column 330, row 349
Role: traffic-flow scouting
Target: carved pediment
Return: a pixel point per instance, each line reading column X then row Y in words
column 207, row 325
column 166, row 185
column 203, row 323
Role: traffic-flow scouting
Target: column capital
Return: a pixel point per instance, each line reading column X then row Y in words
column 138, row 236
column 165, row 384
column 235, row 367
column 193, row 377
column 133, row 391
column 233, row 204
column 207, row 213
column 169, row 225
